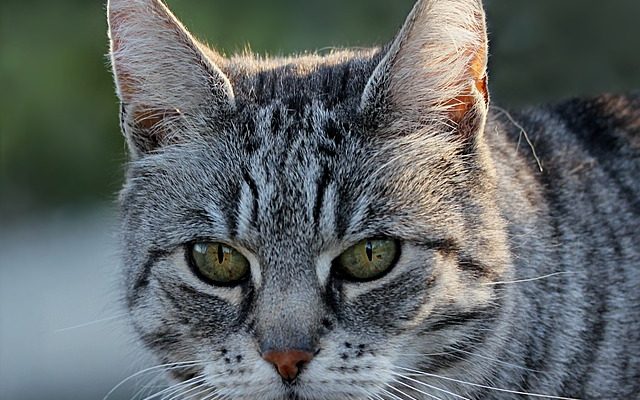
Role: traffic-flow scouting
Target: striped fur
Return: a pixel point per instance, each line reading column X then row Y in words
column 293, row 160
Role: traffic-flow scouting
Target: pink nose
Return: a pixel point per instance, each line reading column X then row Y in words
column 288, row 363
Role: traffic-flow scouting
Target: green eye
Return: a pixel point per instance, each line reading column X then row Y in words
column 369, row 259
column 219, row 263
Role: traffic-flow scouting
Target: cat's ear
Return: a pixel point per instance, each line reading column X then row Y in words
column 435, row 70
column 165, row 79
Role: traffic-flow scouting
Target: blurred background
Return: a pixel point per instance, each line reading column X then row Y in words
column 62, row 335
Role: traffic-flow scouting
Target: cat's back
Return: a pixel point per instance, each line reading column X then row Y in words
column 601, row 130
column 588, row 151
column 584, row 156
column 607, row 127
column 579, row 163
column 584, row 153
column 588, row 154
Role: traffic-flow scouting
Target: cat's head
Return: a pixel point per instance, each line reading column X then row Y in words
column 307, row 227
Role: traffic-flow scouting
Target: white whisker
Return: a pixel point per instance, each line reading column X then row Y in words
column 153, row 384
column 97, row 321
column 197, row 386
column 405, row 394
column 418, row 390
column 429, row 386
column 486, row 386
column 497, row 361
column 529, row 279
column 441, row 353
column 389, row 393
column 524, row 133
column 175, row 365
column 175, row 388
column 212, row 396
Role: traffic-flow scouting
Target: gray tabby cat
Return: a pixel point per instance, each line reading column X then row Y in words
column 362, row 225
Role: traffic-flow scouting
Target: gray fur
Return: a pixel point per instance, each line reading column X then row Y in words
column 309, row 155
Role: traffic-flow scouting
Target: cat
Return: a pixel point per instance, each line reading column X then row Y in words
column 362, row 225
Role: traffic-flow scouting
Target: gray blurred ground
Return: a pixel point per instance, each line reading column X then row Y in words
column 58, row 273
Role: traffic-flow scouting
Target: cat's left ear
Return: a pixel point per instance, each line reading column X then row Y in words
column 168, row 82
column 435, row 70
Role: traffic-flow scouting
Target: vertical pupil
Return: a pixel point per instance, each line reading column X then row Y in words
column 220, row 254
column 369, row 250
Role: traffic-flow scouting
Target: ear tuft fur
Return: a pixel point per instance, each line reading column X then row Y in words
column 162, row 73
column 436, row 67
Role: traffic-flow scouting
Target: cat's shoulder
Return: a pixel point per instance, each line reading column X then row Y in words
column 610, row 122
column 604, row 127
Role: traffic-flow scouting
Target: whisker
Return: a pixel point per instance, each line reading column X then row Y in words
column 486, row 386
column 175, row 388
column 529, row 279
column 403, row 393
column 429, row 386
column 496, row 360
column 522, row 132
column 153, row 384
column 95, row 322
column 175, row 365
column 455, row 350
column 423, row 392
column 179, row 394
column 212, row 396
column 441, row 353
column 389, row 393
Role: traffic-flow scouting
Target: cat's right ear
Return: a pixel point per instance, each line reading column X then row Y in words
column 435, row 70
column 165, row 79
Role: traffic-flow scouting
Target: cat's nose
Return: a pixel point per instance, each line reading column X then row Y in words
column 289, row 362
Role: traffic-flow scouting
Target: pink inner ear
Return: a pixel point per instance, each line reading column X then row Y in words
column 149, row 119
column 460, row 105
column 125, row 84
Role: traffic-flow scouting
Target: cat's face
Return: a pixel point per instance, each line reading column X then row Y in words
column 306, row 228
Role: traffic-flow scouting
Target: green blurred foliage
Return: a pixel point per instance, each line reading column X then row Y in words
column 59, row 138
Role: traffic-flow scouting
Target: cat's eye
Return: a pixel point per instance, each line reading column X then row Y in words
column 368, row 259
column 218, row 263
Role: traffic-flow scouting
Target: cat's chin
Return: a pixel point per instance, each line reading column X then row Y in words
column 295, row 392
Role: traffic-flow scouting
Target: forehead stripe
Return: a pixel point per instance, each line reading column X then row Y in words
column 323, row 181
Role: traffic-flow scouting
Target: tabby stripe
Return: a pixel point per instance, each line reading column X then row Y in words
column 276, row 120
column 472, row 265
column 539, row 348
column 344, row 214
column 322, row 183
column 346, row 79
column 594, row 124
column 142, row 280
column 162, row 338
column 460, row 351
column 597, row 290
column 333, row 131
column 462, row 318
column 594, row 335
column 450, row 247
column 259, row 86
column 179, row 293
column 254, row 192
column 232, row 217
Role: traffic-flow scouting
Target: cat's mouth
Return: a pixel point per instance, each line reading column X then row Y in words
column 292, row 394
